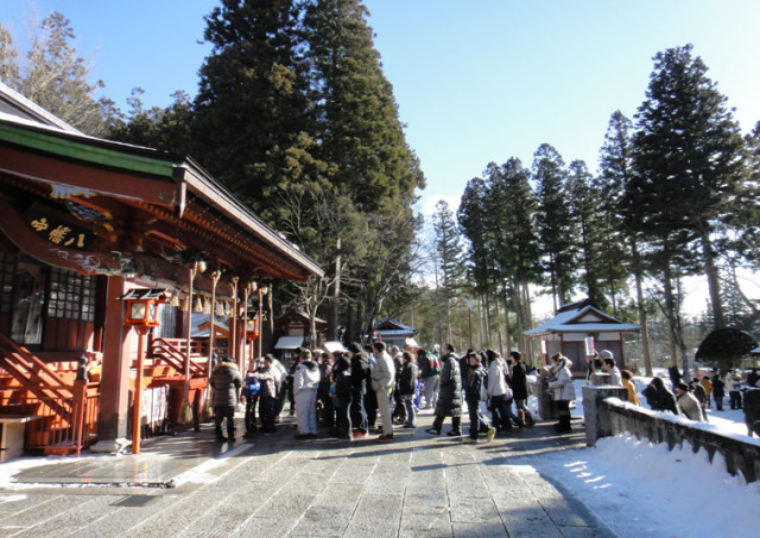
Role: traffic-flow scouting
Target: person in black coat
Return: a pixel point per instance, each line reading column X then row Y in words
column 661, row 399
column 341, row 381
column 519, row 381
column 407, row 386
column 359, row 373
column 449, row 402
column 225, row 382
column 719, row 391
column 476, row 379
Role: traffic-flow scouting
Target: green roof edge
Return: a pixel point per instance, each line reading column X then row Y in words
column 85, row 152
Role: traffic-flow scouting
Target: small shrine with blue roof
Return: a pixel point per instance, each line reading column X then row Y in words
column 394, row 332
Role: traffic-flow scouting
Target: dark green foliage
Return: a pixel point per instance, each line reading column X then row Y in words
column 168, row 129
column 254, row 120
column 361, row 138
column 472, row 215
column 584, row 199
column 448, row 246
column 556, row 229
column 616, row 167
column 726, row 346
column 688, row 159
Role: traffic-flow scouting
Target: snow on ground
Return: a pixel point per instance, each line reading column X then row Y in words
column 638, row 489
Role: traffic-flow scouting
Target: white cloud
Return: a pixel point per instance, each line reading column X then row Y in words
column 427, row 203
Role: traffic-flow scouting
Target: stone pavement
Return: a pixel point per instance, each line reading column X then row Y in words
column 415, row 486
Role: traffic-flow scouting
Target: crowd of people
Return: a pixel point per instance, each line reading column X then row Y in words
column 369, row 390
column 346, row 392
column 691, row 400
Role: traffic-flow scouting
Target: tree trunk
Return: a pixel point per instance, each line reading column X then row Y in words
column 713, row 281
column 670, row 314
column 332, row 329
column 641, row 307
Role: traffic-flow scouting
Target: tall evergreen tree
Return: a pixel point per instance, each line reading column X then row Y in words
column 583, row 198
column 555, row 223
column 472, row 214
column 361, row 137
column 516, row 246
column 448, row 246
column 616, row 170
column 688, row 159
column 254, row 127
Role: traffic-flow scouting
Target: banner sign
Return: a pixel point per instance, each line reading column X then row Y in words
column 60, row 232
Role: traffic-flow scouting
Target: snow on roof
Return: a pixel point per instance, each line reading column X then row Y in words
column 400, row 329
column 583, row 320
column 755, row 351
column 332, row 347
column 16, row 107
column 289, row 342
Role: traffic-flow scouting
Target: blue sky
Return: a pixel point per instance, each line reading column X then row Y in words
column 476, row 81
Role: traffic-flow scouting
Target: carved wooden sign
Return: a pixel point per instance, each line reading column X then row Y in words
column 60, row 232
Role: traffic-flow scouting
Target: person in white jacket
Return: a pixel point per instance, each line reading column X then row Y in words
column 305, row 385
column 563, row 392
column 499, row 392
column 383, row 376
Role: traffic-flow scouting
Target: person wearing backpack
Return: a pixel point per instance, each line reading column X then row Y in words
column 476, row 392
column 520, row 389
column 251, row 389
column 430, row 367
column 499, row 391
column 359, row 375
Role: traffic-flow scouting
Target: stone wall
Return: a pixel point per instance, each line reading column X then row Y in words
column 607, row 414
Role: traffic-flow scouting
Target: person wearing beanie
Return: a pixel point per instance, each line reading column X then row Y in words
column 562, row 390
column 688, row 404
column 609, row 367
column 305, row 385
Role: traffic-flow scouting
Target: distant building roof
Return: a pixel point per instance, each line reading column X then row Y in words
column 390, row 327
column 585, row 319
column 289, row 342
column 200, row 325
column 297, row 312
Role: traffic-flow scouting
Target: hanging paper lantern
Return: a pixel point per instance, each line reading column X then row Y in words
column 186, row 304
column 198, row 305
column 174, row 301
column 207, row 307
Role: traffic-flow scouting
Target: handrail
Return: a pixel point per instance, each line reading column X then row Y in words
column 36, row 366
column 164, row 349
column 30, row 372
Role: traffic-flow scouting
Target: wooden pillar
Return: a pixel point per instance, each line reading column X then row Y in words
column 114, row 381
column 233, row 337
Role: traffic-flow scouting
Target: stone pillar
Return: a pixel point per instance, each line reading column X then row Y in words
column 598, row 424
column 114, row 381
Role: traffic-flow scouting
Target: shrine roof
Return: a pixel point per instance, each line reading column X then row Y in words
column 127, row 172
column 586, row 319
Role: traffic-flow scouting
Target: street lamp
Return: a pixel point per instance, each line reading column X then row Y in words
column 142, row 314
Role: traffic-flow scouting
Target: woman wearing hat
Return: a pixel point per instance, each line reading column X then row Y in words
column 561, row 387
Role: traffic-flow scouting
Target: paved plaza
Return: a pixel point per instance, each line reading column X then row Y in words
column 416, row 486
